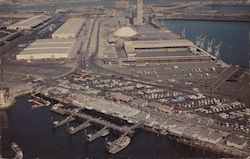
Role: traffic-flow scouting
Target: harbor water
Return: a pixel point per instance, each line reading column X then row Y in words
column 235, row 48
column 32, row 131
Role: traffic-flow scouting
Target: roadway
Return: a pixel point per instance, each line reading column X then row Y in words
column 81, row 53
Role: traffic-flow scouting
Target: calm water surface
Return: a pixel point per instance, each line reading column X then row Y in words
column 234, row 35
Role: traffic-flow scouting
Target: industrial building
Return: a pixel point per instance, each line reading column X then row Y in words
column 122, row 4
column 131, row 47
column 29, row 23
column 69, row 29
column 47, row 49
column 159, row 51
column 120, row 97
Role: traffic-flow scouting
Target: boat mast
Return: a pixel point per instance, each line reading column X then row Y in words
column 217, row 50
column 183, row 33
column 198, row 38
column 202, row 43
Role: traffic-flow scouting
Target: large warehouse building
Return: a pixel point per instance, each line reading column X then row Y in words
column 29, row 23
column 160, row 51
column 70, row 29
column 48, row 49
column 134, row 47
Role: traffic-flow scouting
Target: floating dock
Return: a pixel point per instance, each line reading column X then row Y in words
column 83, row 126
column 103, row 132
column 57, row 124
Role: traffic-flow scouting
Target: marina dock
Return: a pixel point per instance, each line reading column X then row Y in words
column 58, row 110
column 38, row 102
column 122, row 129
column 57, row 124
column 103, row 132
column 73, row 130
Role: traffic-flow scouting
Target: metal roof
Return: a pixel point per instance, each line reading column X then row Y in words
column 132, row 45
column 32, row 22
column 71, row 27
column 48, row 46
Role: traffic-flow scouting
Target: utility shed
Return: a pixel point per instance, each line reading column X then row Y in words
column 47, row 49
column 29, row 23
column 70, row 29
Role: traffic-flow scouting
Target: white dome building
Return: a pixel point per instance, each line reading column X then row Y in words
column 125, row 32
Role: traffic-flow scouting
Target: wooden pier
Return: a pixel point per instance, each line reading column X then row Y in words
column 57, row 124
column 83, row 126
column 99, row 121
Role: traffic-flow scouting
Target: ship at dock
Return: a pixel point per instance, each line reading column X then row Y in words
column 18, row 151
column 118, row 145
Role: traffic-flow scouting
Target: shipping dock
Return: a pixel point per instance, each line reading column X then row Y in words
column 72, row 114
column 38, row 102
column 57, row 124
column 101, row 133
column 83, row 126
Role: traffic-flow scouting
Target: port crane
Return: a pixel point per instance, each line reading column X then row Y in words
column 210, row 46
column 217, row 50
column 183, row 33
column 197, row 42
column 202, row 41
column 1, row 73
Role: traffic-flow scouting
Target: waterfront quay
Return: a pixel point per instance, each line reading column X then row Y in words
column 109, row 102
